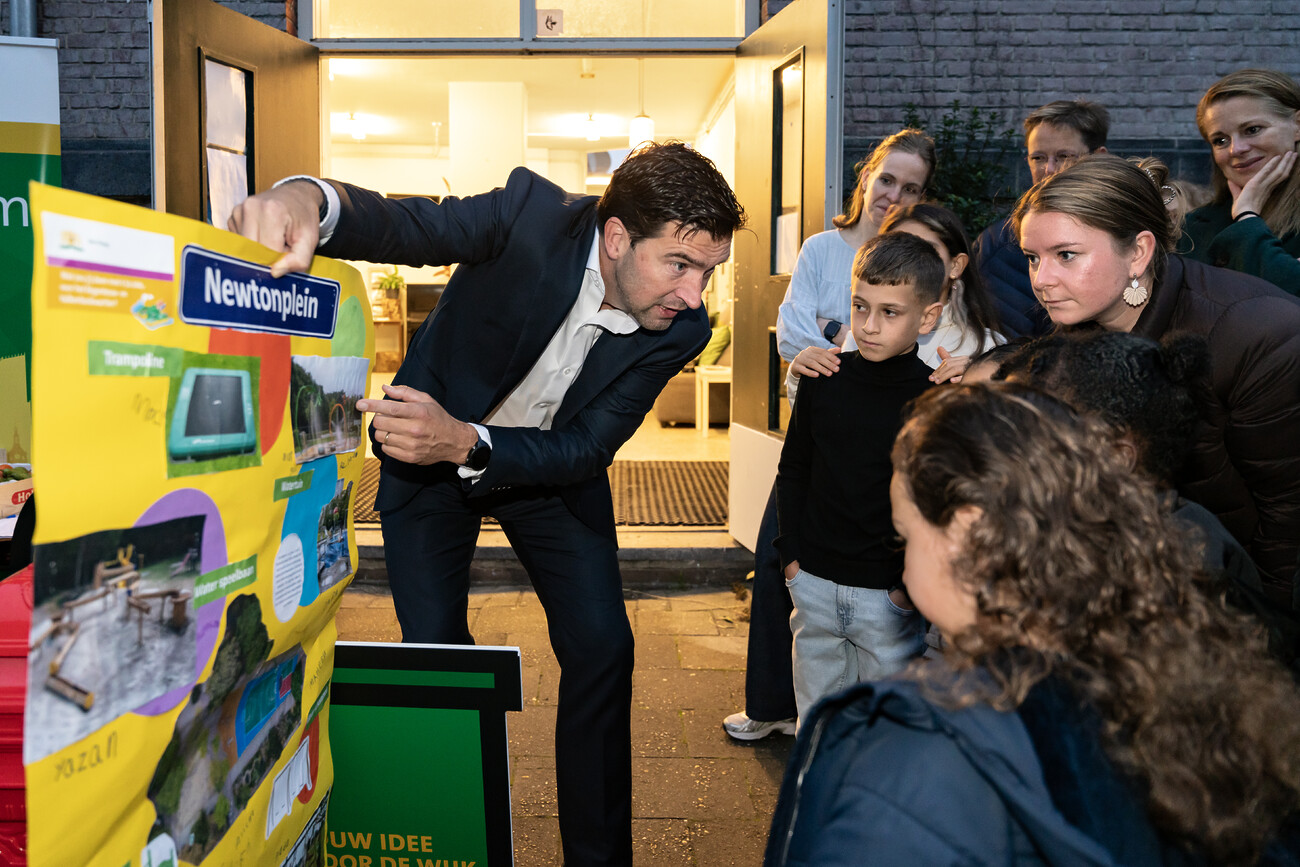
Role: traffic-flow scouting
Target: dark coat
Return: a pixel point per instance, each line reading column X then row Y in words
column 522, row 251
column 1247, row 246
column 1005, row 272
column 879, row 775
column 1245, row 466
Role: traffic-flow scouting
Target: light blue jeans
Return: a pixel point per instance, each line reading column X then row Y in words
column 843, row 635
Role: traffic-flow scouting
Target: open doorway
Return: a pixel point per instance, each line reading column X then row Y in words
column 440, row 126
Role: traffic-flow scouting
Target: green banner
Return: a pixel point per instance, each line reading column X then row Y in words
column 224, row 581
column 108, row 358
column 290, row 485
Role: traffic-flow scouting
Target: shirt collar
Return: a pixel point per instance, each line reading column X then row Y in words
column 610, row 319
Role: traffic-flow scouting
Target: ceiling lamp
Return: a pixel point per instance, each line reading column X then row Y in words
column 354, row 126
column 642, row 127
column 593, row 128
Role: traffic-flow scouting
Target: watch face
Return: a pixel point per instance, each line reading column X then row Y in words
column 478, row 456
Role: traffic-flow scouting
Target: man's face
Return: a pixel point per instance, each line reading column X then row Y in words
column 1053, row 148
column 660, row 276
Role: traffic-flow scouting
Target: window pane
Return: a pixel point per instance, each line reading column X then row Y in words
column 585, row 19
column 420, row 19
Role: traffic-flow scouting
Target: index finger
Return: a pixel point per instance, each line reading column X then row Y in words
column 391, row 408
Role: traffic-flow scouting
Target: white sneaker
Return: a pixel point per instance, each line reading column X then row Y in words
column 742, row 728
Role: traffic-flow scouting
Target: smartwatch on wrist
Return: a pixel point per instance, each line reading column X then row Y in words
column 832, row 328
column 479, row 455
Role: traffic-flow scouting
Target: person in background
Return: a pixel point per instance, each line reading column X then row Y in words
column 1056, row 135
column 1095, row 705
column 968, row 324
column 1098, row 237
column 851, row 620
column 812, row 318
column 1251, row 120
column 1153, row 394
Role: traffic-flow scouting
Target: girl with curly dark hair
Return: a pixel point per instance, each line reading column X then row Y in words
column 1095, row 705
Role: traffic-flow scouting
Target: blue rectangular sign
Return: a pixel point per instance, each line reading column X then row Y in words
column 224, row 292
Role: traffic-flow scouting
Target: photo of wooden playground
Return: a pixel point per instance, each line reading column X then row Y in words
column 333, row 562
column 323, row 395
column 229, row 737
column 112, row 628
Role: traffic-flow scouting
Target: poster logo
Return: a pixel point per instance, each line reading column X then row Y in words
column 224, row 292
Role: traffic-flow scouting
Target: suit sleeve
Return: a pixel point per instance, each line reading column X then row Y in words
column 586, row 445
column 420, row 231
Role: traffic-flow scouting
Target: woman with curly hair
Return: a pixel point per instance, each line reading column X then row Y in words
column 1095, row 705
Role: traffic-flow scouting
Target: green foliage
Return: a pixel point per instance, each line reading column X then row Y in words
column 391, row 280
column 218, row 769
column 244, row 647
column 165, row 787
column 970, row 175
column 221, row 815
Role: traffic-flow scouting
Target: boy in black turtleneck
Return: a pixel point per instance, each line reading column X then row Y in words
column 852, row 620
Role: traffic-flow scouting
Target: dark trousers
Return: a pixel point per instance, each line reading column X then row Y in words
column 769, row 673
column 428, row 546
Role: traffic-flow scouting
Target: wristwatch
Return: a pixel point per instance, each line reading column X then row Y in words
column 832, row 328
column 479, row 455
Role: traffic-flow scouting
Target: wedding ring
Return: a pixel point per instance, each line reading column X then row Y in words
column 387, row 434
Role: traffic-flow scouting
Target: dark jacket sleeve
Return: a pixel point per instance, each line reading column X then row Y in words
column 1263, row 426
column 1247, row 246
column 792, row 489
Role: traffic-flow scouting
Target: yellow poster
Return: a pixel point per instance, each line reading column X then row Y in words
column 200, row 449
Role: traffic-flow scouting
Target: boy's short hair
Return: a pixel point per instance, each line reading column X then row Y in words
column 1089, row 119
column 895, row 258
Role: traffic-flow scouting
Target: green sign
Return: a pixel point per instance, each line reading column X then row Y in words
column 418, row 737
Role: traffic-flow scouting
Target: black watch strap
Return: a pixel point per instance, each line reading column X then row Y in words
column 479, row 455
column 832, row 328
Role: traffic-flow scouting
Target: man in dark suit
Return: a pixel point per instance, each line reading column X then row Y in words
column 564, row 319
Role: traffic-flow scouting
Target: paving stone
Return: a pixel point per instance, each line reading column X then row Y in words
column 657, row 733
column 723, row 843
column 675, row 623
column 537, row 841
column 532, row 732
column 532, row 789
column 665, row 842
column 669, row 689
column 509, row 618
column 657, row 651
column 368, row 624
column 700, row 789
column 718, row 652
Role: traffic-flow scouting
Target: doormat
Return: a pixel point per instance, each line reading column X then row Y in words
column 646, row 493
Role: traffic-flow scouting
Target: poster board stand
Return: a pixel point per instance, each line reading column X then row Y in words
column 421, row 774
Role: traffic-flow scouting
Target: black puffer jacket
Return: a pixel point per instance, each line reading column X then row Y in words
column 1245, row 466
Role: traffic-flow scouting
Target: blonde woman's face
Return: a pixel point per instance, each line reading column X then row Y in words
column 898, row 180
column 1244, row 133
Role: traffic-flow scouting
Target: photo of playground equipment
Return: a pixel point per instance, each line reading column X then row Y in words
column 333, row 563
column 112, row 627
column 323, row 395
column 231, row 734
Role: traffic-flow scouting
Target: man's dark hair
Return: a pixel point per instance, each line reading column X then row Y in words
column 670, row 183
column 1089, row 119
column 895, row 258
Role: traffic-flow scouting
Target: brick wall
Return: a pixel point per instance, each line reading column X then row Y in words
column 104, row 102
column 1147, row 61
